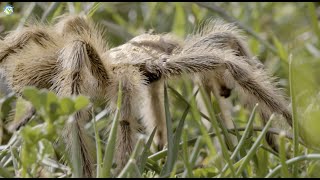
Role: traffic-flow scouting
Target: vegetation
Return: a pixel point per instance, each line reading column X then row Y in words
column 285, row 37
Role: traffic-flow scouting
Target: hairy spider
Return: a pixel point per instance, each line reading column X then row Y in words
column 71, row 58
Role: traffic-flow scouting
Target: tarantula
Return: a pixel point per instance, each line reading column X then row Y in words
column 71, row 58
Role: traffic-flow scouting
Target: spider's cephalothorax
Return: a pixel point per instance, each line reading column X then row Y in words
column 71, row 58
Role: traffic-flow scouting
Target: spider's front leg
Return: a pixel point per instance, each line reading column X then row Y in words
column 80, row 71
column 84, row 72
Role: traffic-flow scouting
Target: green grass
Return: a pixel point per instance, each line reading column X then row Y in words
column 283, row 36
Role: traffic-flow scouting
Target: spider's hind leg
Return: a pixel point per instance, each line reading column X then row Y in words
column 219, row 35
column 210, row 84
column 255, row 83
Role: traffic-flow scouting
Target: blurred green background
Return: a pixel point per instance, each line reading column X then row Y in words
column 276, row 32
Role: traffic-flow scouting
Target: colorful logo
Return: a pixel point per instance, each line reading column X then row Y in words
column 8, row 10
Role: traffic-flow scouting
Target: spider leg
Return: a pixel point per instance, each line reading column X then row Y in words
column 80, row 25
column 85, row 69
column 251, row 80
column 219, row 35
column 210, row 84
column 22, row 58
column 25, row 119
column 163, row 44
column 18, row 39
column 74, row 24
column 133, row 99
column 241, row 72
column 154, row 110
column 19, row 76
column 80, row 71
column 260, row 88
column 136, row 51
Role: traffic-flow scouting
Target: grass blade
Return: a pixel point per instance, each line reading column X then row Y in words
column 136, row 170
column 225, row 133
column 195, row 151
column 282, row 154
column 294, row 118
column 245, row 133
column 94, row 8
column 15, row 159
column 75, row 149
column 179, row 20
column 227, row 173
column 196, row 115
column 26, row 15
column 170, row 159
column 243, row 138
column 58, row 11
column 129, row 168
column 144, row 157
column 293, row 161
column 4, row 173
column 137, row 149
column 185, row 154
column 163, row 153
column 174, row 171
column 314, row 18
column 216, row 128
column 153, row 166
column 187, row 103
column 71, row 7
column 254, row 146
column 98, row 146
column 282, row 53
column 51, row 9
column 176, row 140
column 110, row 147
column 193, row 156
